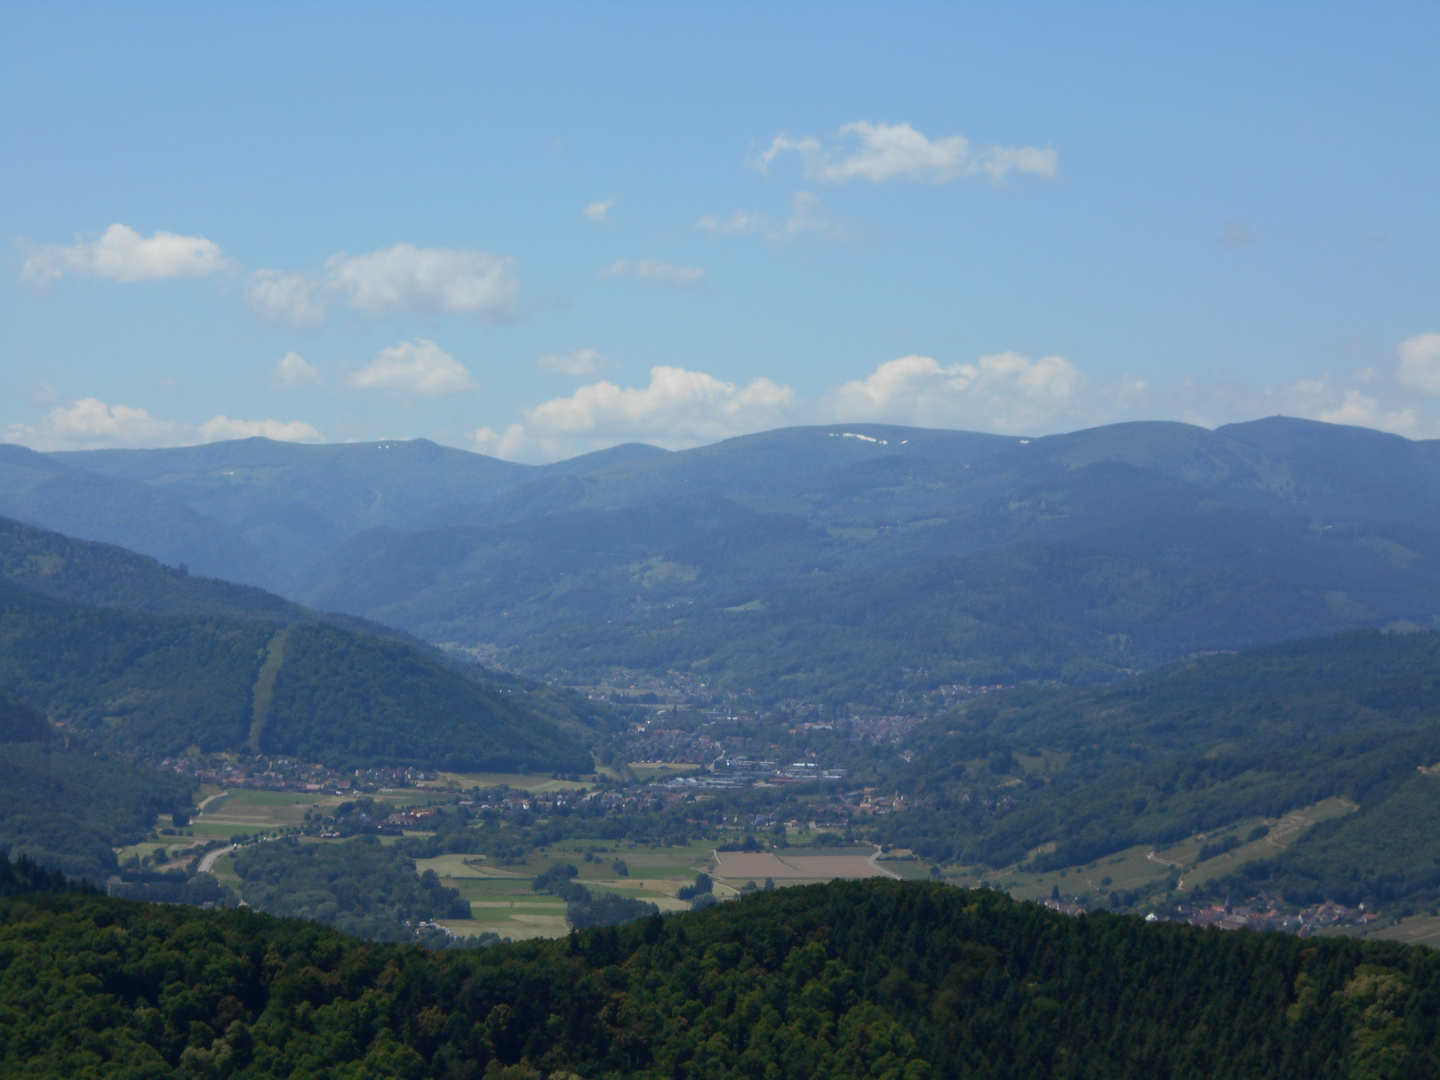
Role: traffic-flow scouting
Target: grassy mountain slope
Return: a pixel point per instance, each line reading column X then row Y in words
column 1193, row 748
column 883, row 980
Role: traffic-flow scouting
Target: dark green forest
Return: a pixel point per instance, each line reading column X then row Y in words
column 359, row 887
column 901, row 981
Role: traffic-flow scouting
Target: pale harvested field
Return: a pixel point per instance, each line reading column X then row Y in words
column 740, row 865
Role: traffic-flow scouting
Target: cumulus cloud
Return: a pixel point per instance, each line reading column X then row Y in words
column 807, row 215
column 1420, row 364
column 292, row 300
column 512, row 444
column 678, row 408
column 417, row 367
column 292, row 371
column 599, row 212
column 1006, row 392
column 222, row 427
column 450, row 281
column 655, row 272
column 92, row 424
column 579, row 363
column 1000, row 392
column 396, row 280
column 122, row 254
column 1358, row 410
column 742, row 222
column 880, row 152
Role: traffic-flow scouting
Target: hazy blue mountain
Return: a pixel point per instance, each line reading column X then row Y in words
column 42, row 490
column 293, row 502
column 962, row 559
column 827, row 560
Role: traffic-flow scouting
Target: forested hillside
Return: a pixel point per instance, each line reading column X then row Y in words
column 66, row 806
column 1193, row 748
column 847, row 563
column 882, row 980
column 154, row 685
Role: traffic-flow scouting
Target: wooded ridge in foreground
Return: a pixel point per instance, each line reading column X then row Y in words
column 879, row 979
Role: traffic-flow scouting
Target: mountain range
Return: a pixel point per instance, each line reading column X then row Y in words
column 847, row 563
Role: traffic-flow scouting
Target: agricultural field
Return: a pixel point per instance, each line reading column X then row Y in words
column 530, row 783
column 502, row 902
column 794, row 866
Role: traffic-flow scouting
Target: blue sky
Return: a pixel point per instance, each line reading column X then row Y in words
column 534, row 230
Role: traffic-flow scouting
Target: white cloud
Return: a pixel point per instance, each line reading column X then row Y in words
column 419, row 366
column 221, row 427
column 511, row 444
column 394, row 281
column 90, row 424
column 449, row 281
column 1000, row 392
column 1005, row 392
column 1420, row 364
column 122, row 254
column 742, row 221
column 293, row 300
column 655, row 272
column 678, row 408
column 1358, row 410
column 292, row 370
column 880, row 152
column 579, row 363
column 599, row 212
column 807, row 215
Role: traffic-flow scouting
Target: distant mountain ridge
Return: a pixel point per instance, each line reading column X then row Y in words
column 826, row 561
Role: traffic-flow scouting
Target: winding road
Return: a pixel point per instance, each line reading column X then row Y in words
column 207, row 864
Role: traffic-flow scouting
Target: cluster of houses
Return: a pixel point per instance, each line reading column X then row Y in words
column 286, row 774
column 1263, row 912
column 268, row 774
